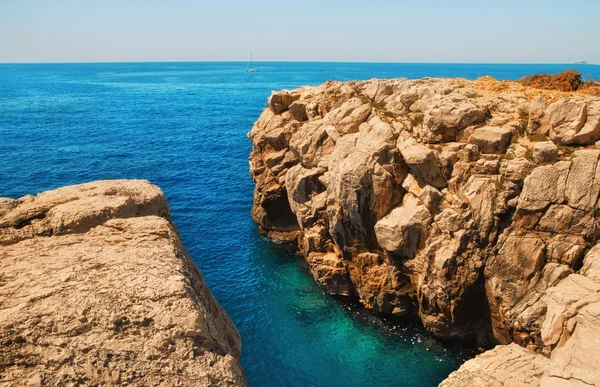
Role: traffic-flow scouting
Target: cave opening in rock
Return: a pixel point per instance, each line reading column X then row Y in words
column 279, row 213
column 473, row 313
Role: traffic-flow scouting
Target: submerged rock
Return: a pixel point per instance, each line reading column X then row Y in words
column 97, row 289
column 430, row 198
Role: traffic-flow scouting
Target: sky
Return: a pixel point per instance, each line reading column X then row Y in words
column 456, row 31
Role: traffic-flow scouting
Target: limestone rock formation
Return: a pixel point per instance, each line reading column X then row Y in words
column 97, row 289
column 505, row 365
column 544, row 152
column 472, row 205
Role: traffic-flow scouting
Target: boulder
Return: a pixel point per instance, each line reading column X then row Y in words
column 426, row 193
column 281, row 101
column 404, row 230
column 545, row 152
column 491, row 139
column 545, row 185
column 348, row 117
column 575, row 121
column 423, row 164
column 310, row 144
column 445, row 120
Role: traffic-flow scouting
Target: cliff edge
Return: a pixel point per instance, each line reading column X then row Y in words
column 97, row 289
column 470, row 205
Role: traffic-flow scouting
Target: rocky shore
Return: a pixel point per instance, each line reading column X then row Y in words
column 97, row 289
column 470, row 205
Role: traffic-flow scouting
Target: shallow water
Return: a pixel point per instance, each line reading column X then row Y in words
column 183, row 126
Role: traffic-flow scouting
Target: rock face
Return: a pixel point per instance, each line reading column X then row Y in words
column 505, row 365
column 97, row 289
column 471, row 205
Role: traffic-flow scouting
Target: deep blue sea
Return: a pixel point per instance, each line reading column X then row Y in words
column 183, row 126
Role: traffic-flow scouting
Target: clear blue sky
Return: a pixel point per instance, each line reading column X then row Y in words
column 306, row 30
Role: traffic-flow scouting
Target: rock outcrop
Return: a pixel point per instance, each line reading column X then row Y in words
column 472, row 205
column 506, row 365
column 97, row 289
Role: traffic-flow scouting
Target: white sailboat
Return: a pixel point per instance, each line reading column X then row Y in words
column 249, row 67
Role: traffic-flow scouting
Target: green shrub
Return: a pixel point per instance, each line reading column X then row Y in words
column 507, row 156
column 537, row 137
column 417, row 119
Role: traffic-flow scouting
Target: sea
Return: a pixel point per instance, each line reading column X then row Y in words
column 184, row 126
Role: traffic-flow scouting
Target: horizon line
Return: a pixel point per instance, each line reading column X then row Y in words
column 297, row 61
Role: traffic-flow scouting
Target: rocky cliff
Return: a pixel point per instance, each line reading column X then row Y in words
column 471, row 205
column 97, row 289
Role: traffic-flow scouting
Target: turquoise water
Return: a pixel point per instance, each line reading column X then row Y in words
column 183, row 126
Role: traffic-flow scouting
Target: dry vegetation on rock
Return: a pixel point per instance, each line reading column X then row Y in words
column 567, row 81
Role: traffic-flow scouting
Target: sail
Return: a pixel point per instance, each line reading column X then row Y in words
column 249, row 67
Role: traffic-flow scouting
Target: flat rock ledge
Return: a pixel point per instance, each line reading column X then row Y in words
column 97, row 289
column 470, row 205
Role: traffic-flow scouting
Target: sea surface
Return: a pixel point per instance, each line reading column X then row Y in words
column 183, row 127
